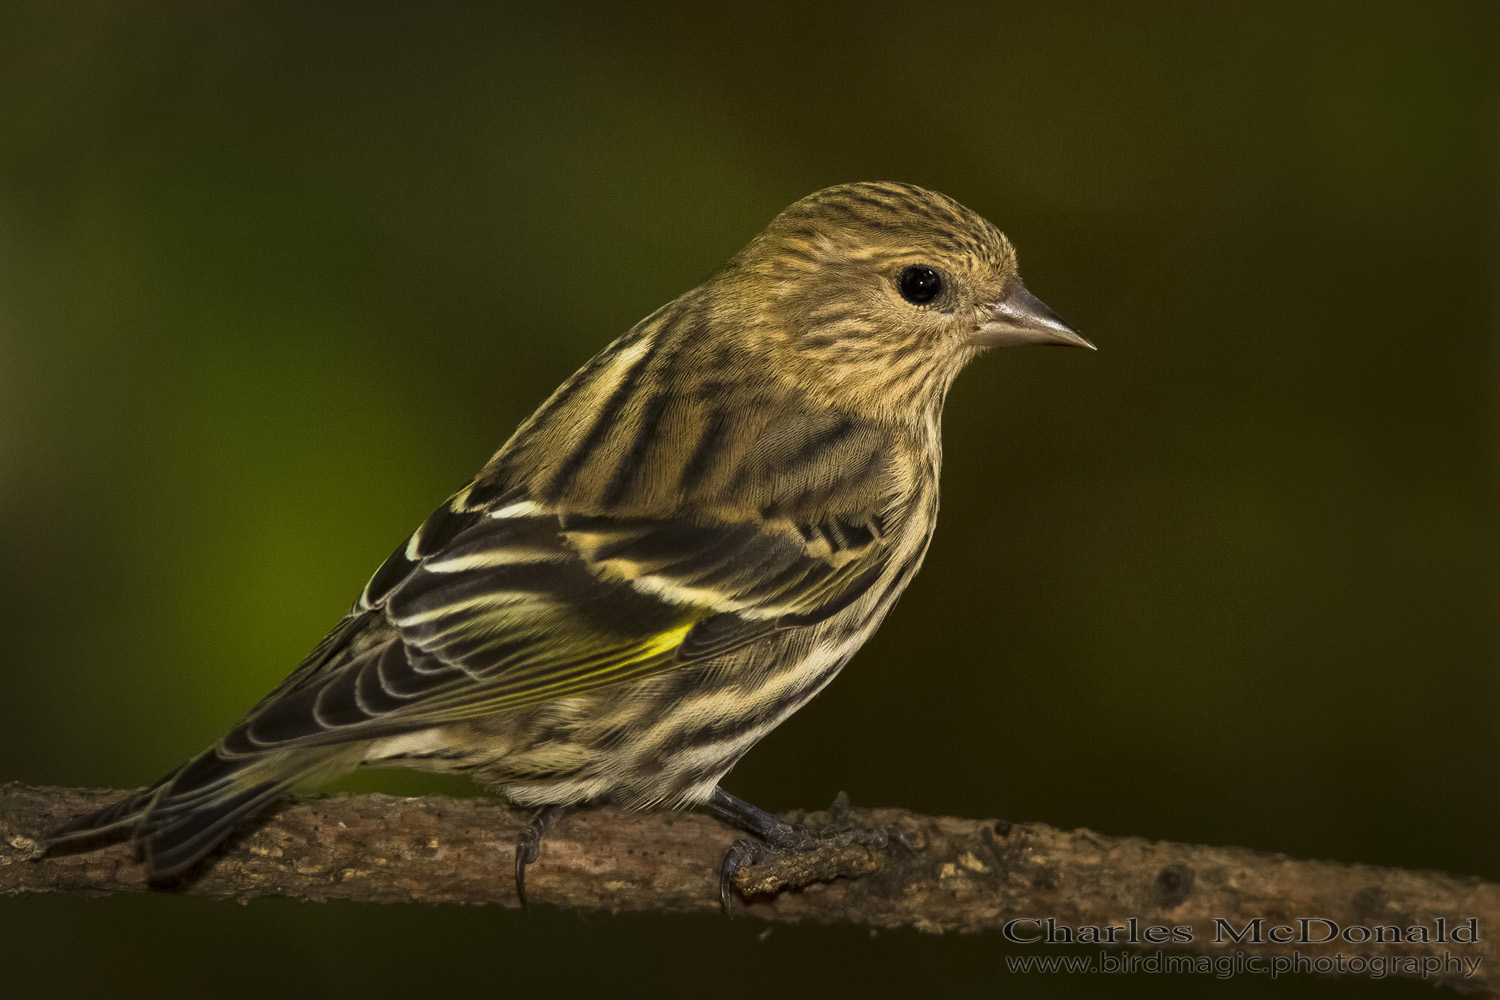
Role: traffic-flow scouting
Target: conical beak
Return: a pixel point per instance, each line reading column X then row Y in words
column 1022, row 318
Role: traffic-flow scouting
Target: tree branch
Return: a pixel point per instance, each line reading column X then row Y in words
column 958, row 875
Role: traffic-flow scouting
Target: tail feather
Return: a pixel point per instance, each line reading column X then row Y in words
column 174, row 843
column 116, row 821
column 182, row 818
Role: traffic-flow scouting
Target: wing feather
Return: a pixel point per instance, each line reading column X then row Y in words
column 515, row 592
column 517, row 610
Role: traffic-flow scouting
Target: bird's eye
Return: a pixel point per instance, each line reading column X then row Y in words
column 919, row 284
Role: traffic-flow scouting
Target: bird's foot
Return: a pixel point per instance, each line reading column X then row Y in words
column 529, row 843
column 794, row 855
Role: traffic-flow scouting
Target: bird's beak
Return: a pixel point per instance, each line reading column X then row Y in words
column 1021, row 318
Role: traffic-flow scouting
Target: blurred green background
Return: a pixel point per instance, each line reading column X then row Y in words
column 277, row 278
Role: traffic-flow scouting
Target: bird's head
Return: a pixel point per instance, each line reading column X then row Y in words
column 877, row 294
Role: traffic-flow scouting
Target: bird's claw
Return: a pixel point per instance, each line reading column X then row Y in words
column 529, row 845
column 740, row 853
column 528, row 849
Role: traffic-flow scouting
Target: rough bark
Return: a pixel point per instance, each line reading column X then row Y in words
column 955, row 875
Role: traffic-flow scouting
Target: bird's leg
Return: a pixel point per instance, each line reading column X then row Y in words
column 777, row 836
column 529, row 843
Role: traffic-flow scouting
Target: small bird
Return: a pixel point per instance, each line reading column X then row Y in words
column 679, row 549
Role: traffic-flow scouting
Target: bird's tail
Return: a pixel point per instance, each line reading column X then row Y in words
column 184, row 816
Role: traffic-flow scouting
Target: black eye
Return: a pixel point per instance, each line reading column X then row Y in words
column 920, row 284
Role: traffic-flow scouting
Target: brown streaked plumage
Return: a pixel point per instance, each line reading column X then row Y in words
column 682, row 545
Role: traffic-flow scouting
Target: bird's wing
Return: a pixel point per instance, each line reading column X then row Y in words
column 514, row 604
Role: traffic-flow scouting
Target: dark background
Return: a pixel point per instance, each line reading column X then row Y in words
column 274, row 281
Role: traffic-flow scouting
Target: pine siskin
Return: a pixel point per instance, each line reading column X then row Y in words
column 683, row 545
